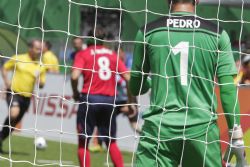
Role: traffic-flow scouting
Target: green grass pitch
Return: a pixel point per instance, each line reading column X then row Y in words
column 23, row 154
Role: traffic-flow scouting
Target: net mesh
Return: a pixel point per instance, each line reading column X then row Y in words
column 60, row 133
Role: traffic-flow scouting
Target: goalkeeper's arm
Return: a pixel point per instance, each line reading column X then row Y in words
column 230, row 104
column 137, row 82
column 229, row 100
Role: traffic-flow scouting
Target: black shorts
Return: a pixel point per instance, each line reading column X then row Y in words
column 99, row 111
column 18, row 100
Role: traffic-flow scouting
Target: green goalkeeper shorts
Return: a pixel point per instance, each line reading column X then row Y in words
column 189, row 153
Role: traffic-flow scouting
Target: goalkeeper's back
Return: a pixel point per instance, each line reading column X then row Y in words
column 194, row 52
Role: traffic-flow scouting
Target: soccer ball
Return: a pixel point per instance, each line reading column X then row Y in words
column 40, row 143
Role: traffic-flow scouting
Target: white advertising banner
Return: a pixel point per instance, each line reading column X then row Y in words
column 52, row 114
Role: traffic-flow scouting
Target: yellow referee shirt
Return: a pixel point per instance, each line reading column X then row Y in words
column 26, row 73
column 50, row 61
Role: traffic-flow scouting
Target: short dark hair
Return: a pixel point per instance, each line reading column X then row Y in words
column 99, row 33
column 48, row 44
column 182, row 1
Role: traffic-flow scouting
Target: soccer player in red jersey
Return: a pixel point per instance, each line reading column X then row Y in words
column 99, row 66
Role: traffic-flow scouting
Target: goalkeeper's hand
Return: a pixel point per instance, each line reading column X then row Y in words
column 236, row 147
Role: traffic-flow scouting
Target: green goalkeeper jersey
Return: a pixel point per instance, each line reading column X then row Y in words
column 183, row 55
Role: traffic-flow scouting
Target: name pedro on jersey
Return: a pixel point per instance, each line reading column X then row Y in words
column 182, row 23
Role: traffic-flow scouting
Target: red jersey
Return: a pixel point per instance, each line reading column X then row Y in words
column 101, row 65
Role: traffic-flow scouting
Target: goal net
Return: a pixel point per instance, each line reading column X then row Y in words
column 52, row 110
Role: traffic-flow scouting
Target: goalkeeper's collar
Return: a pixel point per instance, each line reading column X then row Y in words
column 182, row 13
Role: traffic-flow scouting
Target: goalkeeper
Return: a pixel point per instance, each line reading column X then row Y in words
column 184, row 55
column 26, row 73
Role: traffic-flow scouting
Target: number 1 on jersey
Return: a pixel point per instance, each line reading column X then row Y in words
column 182, row 48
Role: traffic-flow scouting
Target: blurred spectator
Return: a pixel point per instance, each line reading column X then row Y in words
column 49, row 58
column 78, row 45
column 244, row 75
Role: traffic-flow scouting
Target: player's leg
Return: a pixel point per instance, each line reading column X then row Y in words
column 7, row 128
column 198, row 153
column 107, row 127
column 114, row 151
column 14, row 107
column 96, row 145
column 152, row 152
column 18, row 106
column 24, row 106
column 85, row 127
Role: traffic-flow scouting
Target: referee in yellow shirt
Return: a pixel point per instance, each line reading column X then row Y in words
column 49, row 59
column 27, row 72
